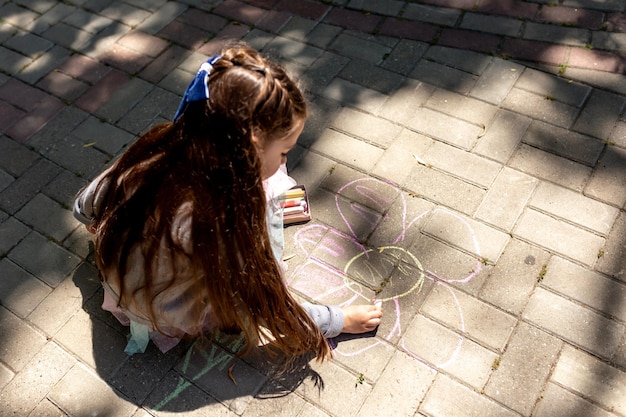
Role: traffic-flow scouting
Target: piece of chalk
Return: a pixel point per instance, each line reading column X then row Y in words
column 293, row 210
column 294, row 193
column 378, row 303
column 292, row 202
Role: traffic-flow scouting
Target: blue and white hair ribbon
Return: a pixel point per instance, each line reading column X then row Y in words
column 198, row 89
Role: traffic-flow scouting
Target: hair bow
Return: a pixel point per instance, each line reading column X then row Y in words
column 198, row 89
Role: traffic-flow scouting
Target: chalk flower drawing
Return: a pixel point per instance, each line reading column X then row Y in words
column 339, row 269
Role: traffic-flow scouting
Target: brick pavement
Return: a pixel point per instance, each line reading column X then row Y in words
column 466, row 157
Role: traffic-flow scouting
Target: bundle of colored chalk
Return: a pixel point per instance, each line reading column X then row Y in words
column 295, row 204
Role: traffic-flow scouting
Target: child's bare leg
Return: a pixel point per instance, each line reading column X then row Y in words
column 361, row 318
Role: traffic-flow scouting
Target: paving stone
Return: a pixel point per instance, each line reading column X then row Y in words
column 84, row 161
column 366, row 126
column 125, row 13
column 411, row 91
column 573, row 322
column 466, row 108
column 352, row 151
column 503, row 136
column 608, row 40
column 405, row 55
column 599, row 79
column 48, row 217
column 514, row 277
column 600, row 114
column 403, row 378
column 47, row 409
column 19, row 290
column 591, row 378
column 466, row 401
column 444, row 189
column 30, row 387
column 29, row 44
column 581, row 148
column 80, row 383
column 64, row 188
column 506, row 198
column 5, row 375
column 335, row 380
column 556, row 400
column 556, row 87
column 52, row 263
column 465, row 60
column 612, row 261
column 469, row 316
column 549, row 232
column 550, row 167
column 430, row 14
column 492, row 24
column 323, row 34
column 466, row 234
column 445, row 128
column 462, row 164
column 565, row 35
column 28, row 185
column 354, row 47
column 65, row 300
column 496, row 81
column 11, row 232
column 540, row 107
column 618, row 135
column 400, row 155
column 164, row 15
column 608, row 182
column 444, row 77
column 143, row 115
column 371, row 76
column 588, row 287
column 35, row 119
column 524, row 368
column 61, row 126
column 20, row 342
column 350, row 94
column 282, row 48
column 576, row 208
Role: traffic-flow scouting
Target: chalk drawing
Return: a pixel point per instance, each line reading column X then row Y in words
column 341, row 270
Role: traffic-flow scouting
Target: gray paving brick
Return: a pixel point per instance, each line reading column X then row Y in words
column 572, row 322
column 496, row 81
column 506, row 198
column 5, row 375
column 11, row 232
column 592, row 378
column 80, row 383
column 400, row 155
column 503, row 136
column 444, row 77
column 11, row 62
column 404, row 56
column 465, row 165
column 5, row 180
column 281, row 406
column 608, row 182
column 126, row 13
column 466, row 108
column 444, row 189
column 540, row 107
column 52, row 263
column 413, row 92
column 612, row 261
column 72, row 154
column 403, row 378
column 582, row 148
column 29, row 44
column 335, row 379
column 163, row 16
column 323, row 71
column 124, row 100
column 560, row 89
column 601, row 79
column 48, row 217
column 27, row 185
column 366, row 126
column 283, row 48
column 588, row 287
column 323, row 34
column 514, row 277
column 600, row 113
column 466, row 401
column 445, row 128
column 566, row 35
column 557, row 400
column 344, row 148
column 19, row 290
column 52, row 16
column 467, row 234
column 64, row 187
column 550, row 167
column 18, row 16
column 143, row 115
column 576, row 208
column 618, row 135
column 480, row 321
column 608, row 40
column 436, row 15
column 492, row 24
column 371, row 76
column 359, row 48
column 549, row 232
column 523, row 370
column 47, row 409
column 24, row 341
column 298, row 28
column 347, row 93
column 367, row 356
column 30, row 387
column 462, row 59
column 15, row 158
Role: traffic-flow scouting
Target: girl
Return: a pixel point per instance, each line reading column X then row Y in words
column 181, row 220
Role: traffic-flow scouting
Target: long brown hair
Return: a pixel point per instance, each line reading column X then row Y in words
column 207, row 159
